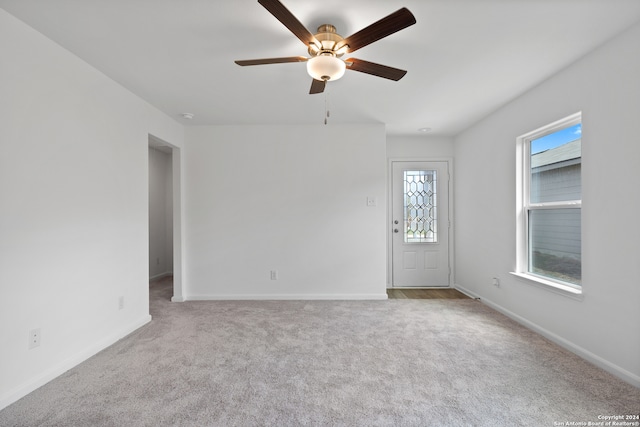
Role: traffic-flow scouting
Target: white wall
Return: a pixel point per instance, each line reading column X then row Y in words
column 605, row 326
column 160, row 214
column 73, row 221
column 423, row 147
column 289, row 198
column 419, row 146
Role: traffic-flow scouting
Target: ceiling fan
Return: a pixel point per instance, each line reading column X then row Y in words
column 326, row 47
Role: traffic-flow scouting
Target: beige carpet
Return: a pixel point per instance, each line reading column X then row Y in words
column 327, row 363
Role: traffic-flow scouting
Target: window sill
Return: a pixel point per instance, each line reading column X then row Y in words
column 555, row 287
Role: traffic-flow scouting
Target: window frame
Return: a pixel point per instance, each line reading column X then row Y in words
column 524, row 206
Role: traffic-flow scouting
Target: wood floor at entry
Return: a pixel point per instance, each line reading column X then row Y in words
column 425, row 294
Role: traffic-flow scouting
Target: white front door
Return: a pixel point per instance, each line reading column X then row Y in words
column 420, row 224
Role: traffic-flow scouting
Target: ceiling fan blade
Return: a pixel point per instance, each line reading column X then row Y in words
column 375, row 69
column 271, row 60
column 317, row 86
column 388, row 25
column 287, row 18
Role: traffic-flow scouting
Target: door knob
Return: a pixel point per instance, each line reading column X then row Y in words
column 395, row 230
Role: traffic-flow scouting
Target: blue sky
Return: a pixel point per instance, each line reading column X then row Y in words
column 556, row 139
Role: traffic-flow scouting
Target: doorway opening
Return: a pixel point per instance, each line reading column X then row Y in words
column 165, row 230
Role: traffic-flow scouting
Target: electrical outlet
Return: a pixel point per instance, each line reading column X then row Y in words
column 34, row 338
column 274, row 274
column 371, row 201
column 496, row 282
column 120, row 302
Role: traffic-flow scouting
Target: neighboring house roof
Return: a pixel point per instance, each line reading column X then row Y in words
column 570, row 150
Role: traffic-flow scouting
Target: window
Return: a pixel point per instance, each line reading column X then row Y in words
column 550, row 203
column 420, row 210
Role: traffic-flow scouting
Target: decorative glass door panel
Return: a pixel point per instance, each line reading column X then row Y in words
column 420, row 209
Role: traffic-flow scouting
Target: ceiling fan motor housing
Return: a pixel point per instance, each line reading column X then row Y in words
column 329, row 39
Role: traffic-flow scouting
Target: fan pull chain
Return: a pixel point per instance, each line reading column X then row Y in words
column 327, row 113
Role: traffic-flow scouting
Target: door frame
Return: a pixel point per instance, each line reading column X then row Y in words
column 177, row 205
column 390, row 162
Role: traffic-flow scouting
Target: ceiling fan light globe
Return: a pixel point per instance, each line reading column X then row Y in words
column 326, row 67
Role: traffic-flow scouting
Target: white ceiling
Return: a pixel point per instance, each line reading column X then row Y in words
column 465, row 58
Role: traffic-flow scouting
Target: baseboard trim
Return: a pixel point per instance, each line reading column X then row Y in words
column 279, row 297
column 59, row 369
column 600, row 362
column 466, row 292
